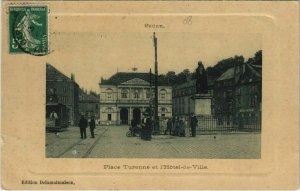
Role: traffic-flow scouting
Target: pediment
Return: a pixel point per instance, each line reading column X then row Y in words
column 136, row 81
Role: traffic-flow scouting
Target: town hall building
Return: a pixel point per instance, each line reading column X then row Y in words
column 126, row 95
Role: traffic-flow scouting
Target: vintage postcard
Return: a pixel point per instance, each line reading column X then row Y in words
column 150, row 95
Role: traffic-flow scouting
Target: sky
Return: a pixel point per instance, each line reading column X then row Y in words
column 91, row 56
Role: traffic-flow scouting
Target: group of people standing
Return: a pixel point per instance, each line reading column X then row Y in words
column 180, row 126
column 83, row 125
column 177, row 126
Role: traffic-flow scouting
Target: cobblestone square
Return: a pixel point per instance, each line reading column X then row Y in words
column 111, row 142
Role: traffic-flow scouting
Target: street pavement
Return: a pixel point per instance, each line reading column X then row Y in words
column 111, row 142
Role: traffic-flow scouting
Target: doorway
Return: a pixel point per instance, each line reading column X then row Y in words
column 124, row 116
column 136, row 114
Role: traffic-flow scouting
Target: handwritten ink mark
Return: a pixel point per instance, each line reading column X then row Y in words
column 188, row 20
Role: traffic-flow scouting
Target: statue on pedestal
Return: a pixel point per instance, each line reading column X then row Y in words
column 201, row 79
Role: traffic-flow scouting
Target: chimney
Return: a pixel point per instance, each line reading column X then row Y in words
column 73, row 77
column 237, row 71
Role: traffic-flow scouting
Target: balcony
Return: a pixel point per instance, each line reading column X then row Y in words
column 141, row 101
column 132, row 101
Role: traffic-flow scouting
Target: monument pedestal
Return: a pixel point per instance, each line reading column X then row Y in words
column 203, row 110
column 202, row 104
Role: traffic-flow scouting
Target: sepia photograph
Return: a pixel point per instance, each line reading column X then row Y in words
column 150, row 95
column 164, row 95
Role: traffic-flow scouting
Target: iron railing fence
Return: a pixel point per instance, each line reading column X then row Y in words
column 212, row 123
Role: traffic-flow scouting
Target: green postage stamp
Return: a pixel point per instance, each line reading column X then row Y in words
column 28, row 29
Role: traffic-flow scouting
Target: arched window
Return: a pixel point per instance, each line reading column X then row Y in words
column 163, row 94
column 109, row 93
column 136, row 94
column 163, row 110
column 148, row 94
column 109, row 110
column 124, row 93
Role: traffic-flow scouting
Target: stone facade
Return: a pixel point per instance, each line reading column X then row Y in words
column 125, row 96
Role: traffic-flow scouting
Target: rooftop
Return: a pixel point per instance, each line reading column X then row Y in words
column 256, row 69
column 121, row 77
column 88, row 98
column 53, row 74
column 229, row 74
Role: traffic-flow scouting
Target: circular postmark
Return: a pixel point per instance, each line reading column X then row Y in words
column 29, row 31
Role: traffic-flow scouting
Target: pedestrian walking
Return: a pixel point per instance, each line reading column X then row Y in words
column 169, row 127
column 163, row 124
column 82, row 126
column 92, row 126
column 175, row 126
column 181, row 132
column 194, row 123
column 147, row 128
column 187, row 126
column 54, row 117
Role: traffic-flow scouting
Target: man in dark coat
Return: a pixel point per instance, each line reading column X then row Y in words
column 194, row 123
column 169, row 127
column 92, row 126
column 147, row 128
column 82, row 126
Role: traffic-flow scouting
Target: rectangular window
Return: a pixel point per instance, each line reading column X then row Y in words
column 123, row 95
column 238, row 102
column 253, row 89
column 230, row 108
column 136, row 95
column 229, row 93
column 253, row 100
column 238, row 91
column 109, row 117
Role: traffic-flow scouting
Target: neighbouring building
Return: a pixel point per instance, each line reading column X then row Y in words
column 237, row 96
column 89, row 104
column 223, row 100
column 66, row 90
column 248, row 97
column 183, row 104
column 126, row 95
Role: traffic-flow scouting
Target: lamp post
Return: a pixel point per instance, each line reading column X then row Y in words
column 150, row 96
column 156, row 120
